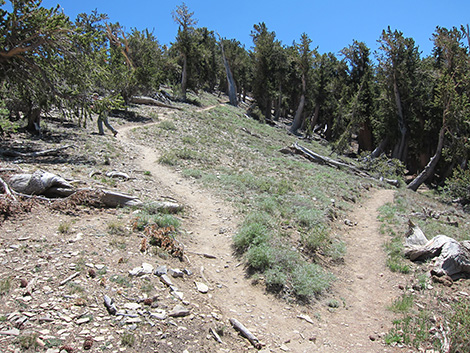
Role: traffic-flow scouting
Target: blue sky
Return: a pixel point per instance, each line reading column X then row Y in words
column 331, row 24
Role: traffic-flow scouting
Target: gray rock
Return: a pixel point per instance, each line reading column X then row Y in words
column 166, row 280
column 175, row 273
column 160, row 271
column 179, row 311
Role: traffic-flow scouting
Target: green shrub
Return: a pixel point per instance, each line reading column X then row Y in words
column 251, row 234
column 309, row 280
column 145, row 219
column 402, row 304
column 128, row 339
column 167, row 125
column 5, row 285
column 309, row 218
column 276, row 278
column 260, row 257
column 458, row 186
column 317, row 237
column 410, row 330
column 382, row 166
column 169, row 159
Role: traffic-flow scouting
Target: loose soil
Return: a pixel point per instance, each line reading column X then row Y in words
column 32, row 248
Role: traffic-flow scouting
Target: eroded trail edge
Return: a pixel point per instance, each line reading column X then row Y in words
column 210, row 224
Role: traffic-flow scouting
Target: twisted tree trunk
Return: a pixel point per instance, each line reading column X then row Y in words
column 429, row 169
column 232, row 87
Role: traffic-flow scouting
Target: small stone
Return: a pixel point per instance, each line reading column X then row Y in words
column 66, row 318
column 133, row 320
column 23, row 283
column 159, row 315
column 284, row 348
column 166, row 280
column 100, row 267
column 77, row 237
column 83, row 320
column 373, row 337
column 12, row 332
column 132, row 306
column 160, row 271
column 147, row 268
column 175, row 273
column 148, row 301
column 201, row 287
column 179, row 311
column 178, row 295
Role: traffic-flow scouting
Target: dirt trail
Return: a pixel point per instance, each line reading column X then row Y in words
column 365, row 286
column 211, row 224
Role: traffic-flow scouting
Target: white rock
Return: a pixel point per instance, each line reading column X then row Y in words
column 83, row 320
column 201, row 287
column 132, row 306
column 147, row 268
column 166, row 280
column 11, row 332
column 161, row 315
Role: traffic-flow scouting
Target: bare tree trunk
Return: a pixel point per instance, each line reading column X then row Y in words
column 365, row 137
column 267, row 113
column 429, row 169
column 34, row 119
column 314, row 119
column 380, row 148
column 232, row 88
column 184, row 77
column 278, row 104
column 399, row 152
column 297, row 123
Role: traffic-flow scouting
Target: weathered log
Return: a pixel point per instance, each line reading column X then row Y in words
column 44, row 183
column 151, row 101
column 10, row 153
column 115, row 199
column 165, row 207
column 451, row 258
column 315, row 157
column 37, row 183
column 246, row 333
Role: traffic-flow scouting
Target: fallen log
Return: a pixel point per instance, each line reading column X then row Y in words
column 38, row 183
column 151, row 101
column 450, row 257
column 48, row 152
column 115, row 199
column 50, row 185
column 246, row 333
column 317, row 158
